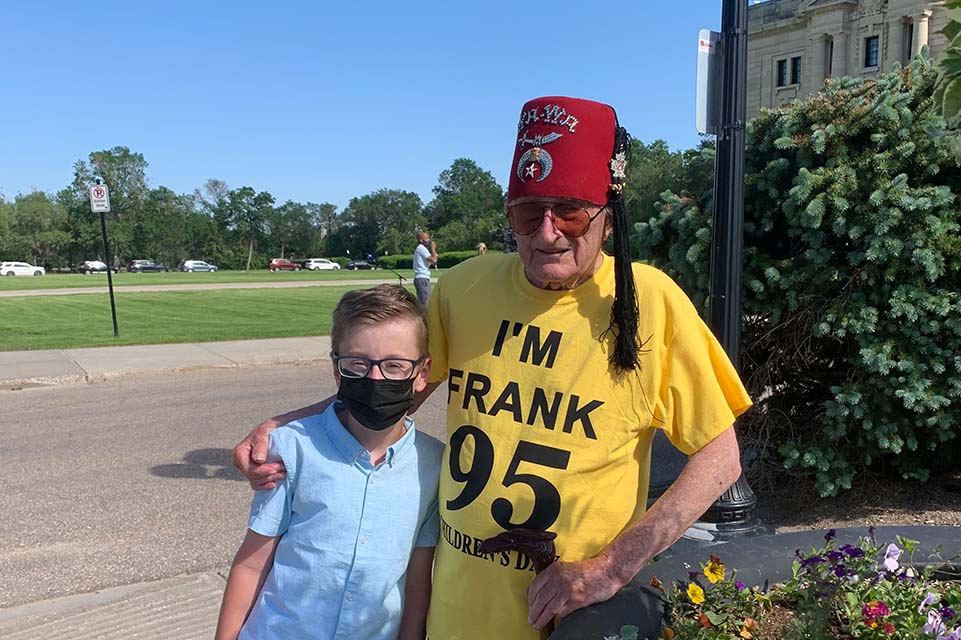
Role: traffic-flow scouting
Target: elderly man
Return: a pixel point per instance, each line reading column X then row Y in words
column 561, row 363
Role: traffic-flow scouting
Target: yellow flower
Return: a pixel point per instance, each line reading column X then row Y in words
column 745, row 633
column 714, row 570
column 695, row 593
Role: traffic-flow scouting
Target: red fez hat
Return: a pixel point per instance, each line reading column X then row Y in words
column 564, row 149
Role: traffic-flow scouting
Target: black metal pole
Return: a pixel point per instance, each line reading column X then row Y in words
column 734, row 510
column 106, row 254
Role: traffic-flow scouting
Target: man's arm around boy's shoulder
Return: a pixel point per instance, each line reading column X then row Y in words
column 413, row 624
column 247, row 574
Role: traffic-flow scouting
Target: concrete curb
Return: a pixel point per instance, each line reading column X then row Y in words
column 21, row 369
column 182, row 607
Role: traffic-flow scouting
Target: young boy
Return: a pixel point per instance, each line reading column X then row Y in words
column 343, row 546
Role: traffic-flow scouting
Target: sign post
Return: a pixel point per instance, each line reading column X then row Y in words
column 100, row 203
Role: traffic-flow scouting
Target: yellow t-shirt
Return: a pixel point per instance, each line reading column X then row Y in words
column 543, row 433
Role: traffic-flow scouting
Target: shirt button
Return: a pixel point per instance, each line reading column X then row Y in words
column 350, row 596
column 363, row 540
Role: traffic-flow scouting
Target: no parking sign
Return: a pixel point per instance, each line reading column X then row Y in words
column 99, row 199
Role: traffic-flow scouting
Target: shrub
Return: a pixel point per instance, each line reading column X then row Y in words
column 397, row 261
column 852, row 330
column 448, row 259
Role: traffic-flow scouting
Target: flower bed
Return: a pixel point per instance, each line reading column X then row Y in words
column 853, row 590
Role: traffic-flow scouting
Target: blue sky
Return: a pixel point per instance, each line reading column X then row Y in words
column 320, row 101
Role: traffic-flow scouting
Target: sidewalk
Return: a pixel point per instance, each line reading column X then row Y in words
column 185, row 607
column 57, row 366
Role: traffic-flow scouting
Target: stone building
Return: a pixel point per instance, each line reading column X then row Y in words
column 794, row 45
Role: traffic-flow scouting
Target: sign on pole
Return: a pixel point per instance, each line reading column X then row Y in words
column 99, row 199
column 100, row 203
column 707, row 70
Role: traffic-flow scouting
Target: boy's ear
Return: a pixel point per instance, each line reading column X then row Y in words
column 420, row 382
column 333, row 364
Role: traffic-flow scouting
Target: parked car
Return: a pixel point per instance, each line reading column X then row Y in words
column 144, row 266
column 196, row 265
column 321, row 264
column 20, row 269
column 354, row 265
column 93, row 266
column 283, row 264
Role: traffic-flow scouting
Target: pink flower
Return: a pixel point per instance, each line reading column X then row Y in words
column 875, row 609
column 891, row 557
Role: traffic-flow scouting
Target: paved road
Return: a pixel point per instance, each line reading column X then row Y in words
column 128, row 479
column 195, row 287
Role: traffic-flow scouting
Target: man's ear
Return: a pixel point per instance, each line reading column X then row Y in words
column 608, row 225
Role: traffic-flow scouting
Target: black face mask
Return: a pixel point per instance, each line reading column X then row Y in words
column 376, row 404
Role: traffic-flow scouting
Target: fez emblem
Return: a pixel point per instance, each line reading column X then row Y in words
column 536, row 162
column 619, row 165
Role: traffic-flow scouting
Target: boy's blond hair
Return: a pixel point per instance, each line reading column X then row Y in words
column 365, row 307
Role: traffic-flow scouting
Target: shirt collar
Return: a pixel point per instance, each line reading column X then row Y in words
column 351, row 451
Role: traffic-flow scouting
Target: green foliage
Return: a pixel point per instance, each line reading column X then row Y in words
column 448, row 259
column 948, row 92
column 712, row 605
column 852, row 273
column 863, row 591
column 467, row 208
column 653, row 169
column 398, row 261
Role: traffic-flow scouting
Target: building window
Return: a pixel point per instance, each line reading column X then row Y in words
column 796, row 70
column 782, row 73
column 871, row 51
column 908, row 40
column 829, row 59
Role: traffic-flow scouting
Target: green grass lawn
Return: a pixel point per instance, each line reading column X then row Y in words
column 83, row 320
column 72, row 280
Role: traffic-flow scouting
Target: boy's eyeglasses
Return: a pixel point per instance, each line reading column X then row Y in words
column 570, row 219
column 390, row 368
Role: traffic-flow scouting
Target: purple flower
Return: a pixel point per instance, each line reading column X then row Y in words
column 811, row 561
column 871, row 533
column 830, row 535
column 947, row 613
column 934, row 626
column 739, row 585
column 691, row 575
column 840, row 570
column 929, row 599
column 834, row 556
column 852, row 552
column 891, row 557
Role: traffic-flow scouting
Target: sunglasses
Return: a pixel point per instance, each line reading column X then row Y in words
column 570, row 219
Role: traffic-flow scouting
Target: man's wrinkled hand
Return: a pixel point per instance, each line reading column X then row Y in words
column 565, row 587
column 250, row 454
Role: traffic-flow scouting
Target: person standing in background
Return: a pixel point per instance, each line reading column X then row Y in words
column 425, row 256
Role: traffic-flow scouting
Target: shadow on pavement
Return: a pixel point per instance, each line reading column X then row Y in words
column 200, row 464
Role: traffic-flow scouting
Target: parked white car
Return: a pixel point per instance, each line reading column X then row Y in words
column 321, row 264
column 20, row 269
column 197, row 265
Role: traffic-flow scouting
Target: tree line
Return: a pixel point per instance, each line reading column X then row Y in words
column 242, row 228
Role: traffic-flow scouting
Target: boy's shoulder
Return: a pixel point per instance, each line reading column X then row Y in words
column 294, row 434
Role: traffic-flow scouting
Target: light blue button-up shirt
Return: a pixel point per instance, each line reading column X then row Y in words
column 348, row 529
